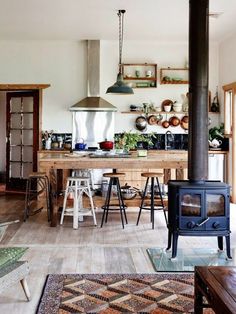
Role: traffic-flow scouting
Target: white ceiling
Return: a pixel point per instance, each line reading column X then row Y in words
column 164, row 20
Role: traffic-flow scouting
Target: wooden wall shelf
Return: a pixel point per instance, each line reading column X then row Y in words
column 174, row 76
column 154, row 112
column 140, row 75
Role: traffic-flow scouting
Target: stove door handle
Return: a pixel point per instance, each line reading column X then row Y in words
column 203, row 222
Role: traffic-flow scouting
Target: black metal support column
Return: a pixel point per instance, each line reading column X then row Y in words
column 198, row 90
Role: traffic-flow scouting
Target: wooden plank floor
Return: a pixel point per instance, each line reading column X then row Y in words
column 87, row 250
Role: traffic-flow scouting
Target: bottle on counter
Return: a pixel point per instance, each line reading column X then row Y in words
column 48, row 144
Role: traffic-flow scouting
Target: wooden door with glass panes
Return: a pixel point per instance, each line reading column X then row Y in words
column 22, row 138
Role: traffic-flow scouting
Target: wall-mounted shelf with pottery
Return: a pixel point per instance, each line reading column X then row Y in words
column 140, row 75
column 174, row 75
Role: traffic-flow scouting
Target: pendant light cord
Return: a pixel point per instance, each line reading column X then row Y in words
column 121, row 35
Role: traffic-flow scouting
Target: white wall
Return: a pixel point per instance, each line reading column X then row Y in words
column 63, row 65
column 164, row 54
column 227, row 65
column 59, row 63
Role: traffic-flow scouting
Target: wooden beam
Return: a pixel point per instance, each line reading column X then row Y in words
column 6, row 87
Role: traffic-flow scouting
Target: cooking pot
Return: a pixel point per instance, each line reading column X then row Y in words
column 141, row 123
column 184, row 122
column 174, row 121
column 106, row 145
column 165, row 124
column 152, row 119
column 128, row 192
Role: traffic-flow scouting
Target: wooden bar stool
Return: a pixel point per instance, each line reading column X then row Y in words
column 114, row 181
column 152, row 207
column 78, row 186
column 37, row 184
column 84, row 173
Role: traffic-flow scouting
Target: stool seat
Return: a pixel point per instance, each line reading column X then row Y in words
column 152, row 174
column 114, row 174
column 84, row 173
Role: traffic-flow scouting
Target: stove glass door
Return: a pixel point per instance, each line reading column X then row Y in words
column 215, row 205
column 190, row 204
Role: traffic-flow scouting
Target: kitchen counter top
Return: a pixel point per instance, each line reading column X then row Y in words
column 162, row 159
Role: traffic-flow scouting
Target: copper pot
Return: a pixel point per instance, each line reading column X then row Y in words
column 174, row 121
column 184, row 122
column 165, row 124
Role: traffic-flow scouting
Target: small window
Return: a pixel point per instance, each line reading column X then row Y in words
column 228, row 111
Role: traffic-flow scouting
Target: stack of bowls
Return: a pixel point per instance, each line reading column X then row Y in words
column 177, row 107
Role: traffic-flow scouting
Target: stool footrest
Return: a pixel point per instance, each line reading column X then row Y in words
column 111, row 207
column 155, row 208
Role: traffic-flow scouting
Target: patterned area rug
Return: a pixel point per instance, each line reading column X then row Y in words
column 115, row 293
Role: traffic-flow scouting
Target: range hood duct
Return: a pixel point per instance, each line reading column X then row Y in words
column 93, row 102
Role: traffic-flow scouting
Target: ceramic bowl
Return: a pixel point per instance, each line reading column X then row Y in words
column 177, row 107
column 167, row 108
column 128, row 194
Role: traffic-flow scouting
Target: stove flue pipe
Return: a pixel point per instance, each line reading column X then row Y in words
column 198, row 90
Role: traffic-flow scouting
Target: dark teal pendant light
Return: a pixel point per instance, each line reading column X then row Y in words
column 119, row 87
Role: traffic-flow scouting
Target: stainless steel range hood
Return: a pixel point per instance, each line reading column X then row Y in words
column 93, row 102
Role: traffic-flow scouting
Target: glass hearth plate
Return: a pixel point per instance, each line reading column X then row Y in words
column 187, row 259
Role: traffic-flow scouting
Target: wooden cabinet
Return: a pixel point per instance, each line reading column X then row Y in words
column 174, row 75
column 140, row 75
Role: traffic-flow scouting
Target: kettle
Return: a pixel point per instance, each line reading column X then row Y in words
column 215, row 143
column 80, row 145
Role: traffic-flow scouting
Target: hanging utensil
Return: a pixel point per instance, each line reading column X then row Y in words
column 141, row 123
column 165, row 123
column 152, row 119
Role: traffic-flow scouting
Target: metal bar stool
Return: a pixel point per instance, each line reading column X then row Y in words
column 37, row 184
column 78, row 186
column 152, row 207
column 114, row 181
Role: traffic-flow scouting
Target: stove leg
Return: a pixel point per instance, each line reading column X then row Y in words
column 169, row 240
column 220, row 243
column 227, row 240
column 174, row 245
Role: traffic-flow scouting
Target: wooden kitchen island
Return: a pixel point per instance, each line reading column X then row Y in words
column 54, row 163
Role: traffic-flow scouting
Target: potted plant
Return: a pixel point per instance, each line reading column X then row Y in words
column 128, row 140
column 216, row 136
column 216, row 132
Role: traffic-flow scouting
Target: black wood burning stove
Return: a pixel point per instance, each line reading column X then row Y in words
column 198, row 210
column 198, row 207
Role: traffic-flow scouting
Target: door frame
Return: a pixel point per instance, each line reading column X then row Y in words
column 230, row 130
column 29, row 87
column 20, row 183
